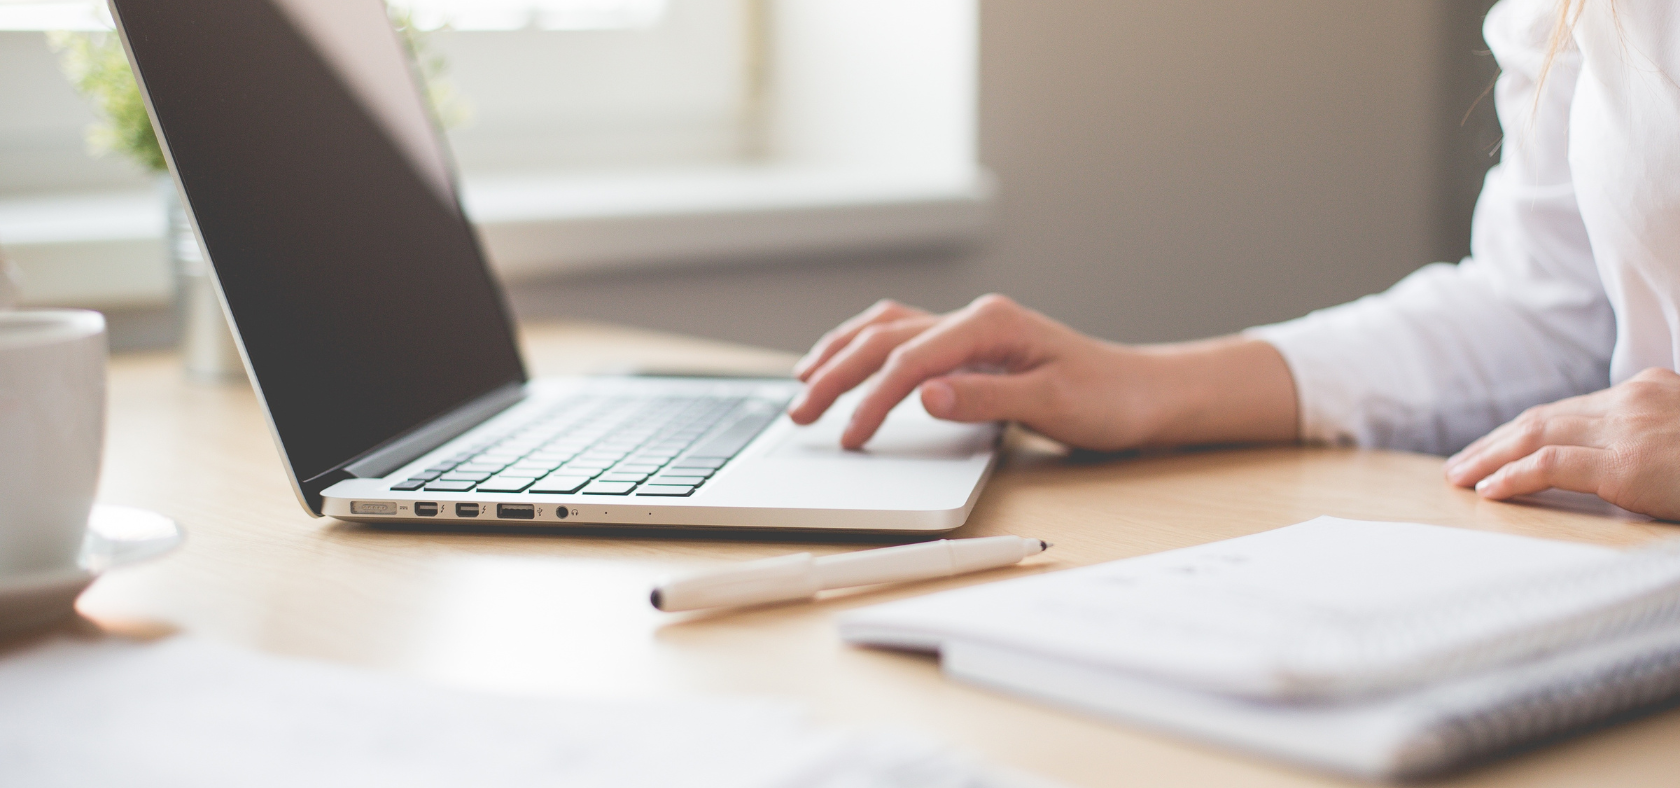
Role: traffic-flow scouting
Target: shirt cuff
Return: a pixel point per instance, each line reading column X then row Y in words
column 1328, row 405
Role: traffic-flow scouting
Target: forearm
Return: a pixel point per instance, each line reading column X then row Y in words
column 1225, row 390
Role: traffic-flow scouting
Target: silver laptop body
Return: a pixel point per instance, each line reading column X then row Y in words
column 919, row 474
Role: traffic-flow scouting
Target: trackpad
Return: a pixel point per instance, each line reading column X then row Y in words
column 909, row 433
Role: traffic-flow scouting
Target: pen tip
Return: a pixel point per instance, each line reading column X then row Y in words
column 1042, row 546
column 657, row 599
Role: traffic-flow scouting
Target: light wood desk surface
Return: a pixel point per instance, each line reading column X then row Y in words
column 568, row 614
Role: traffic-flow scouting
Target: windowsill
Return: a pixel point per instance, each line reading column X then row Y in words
column 105, row 250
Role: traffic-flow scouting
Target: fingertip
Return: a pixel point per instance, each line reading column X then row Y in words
column 802, row 369
column 939, row 398
column 804, row 412
column 851, row 441
column 858, row 432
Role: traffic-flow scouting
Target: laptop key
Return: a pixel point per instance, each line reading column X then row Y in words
column 506, row 484
column 411, row 484
column 706, row 463
column 618, row 476
column 681, row 481
column 609, row 488
column 450, row 486
column 579, row 470
column 674, row 470
column 670, row 490
column 480, row 467
column 635, row 467
column 564, row 485
column 528, row 472
column 459, row 476
column 591, row 462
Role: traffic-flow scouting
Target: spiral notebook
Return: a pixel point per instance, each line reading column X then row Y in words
column 1376, row 649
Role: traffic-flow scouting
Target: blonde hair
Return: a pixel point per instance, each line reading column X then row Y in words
column 1563, row 33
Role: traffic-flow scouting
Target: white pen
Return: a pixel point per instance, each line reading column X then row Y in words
column 801, row 576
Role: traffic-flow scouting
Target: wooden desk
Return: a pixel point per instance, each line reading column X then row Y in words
column 549, row 613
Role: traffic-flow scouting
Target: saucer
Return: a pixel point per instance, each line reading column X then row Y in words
column 117, row 535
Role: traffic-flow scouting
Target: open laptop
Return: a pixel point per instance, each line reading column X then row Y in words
column 381, row 348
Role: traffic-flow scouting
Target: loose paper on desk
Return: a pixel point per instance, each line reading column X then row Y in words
column 191, row 714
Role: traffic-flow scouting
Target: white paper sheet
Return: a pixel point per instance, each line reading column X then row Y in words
column 186, row 713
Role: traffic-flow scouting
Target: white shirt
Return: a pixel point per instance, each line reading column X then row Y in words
column 1573, row 281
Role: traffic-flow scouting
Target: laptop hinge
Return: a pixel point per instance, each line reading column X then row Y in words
column 435, row 433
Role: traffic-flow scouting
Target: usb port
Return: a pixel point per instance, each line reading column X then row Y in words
column 516, row 511
column 466, row 510
column 426, row 509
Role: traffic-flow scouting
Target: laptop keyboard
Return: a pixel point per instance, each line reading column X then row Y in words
column 665, row 446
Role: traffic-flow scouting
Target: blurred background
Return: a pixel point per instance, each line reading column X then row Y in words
column 758, row 170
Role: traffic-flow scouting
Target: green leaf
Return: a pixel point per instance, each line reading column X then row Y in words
column 97, row 66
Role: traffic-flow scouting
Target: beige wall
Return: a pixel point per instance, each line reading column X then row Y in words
column 1167, row 170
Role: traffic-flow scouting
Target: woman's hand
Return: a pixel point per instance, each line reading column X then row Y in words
column 1048, row 376
column 1621, row 444
column 995, row 360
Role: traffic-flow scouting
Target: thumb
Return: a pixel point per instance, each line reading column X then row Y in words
column 975, row 397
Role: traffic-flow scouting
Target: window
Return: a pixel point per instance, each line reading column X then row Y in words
column 543, row 84
column 504, row 15
column 600, row 133
column 664, row 84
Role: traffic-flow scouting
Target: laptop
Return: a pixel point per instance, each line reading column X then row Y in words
column 379, row 342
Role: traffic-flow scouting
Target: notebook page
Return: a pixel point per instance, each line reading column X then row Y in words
column 1228, row 616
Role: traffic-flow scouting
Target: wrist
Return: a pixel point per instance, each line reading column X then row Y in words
column 1226, row 390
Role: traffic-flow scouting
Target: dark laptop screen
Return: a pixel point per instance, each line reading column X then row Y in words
column 326, row 201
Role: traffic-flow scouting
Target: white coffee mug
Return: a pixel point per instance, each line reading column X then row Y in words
column 52, row 433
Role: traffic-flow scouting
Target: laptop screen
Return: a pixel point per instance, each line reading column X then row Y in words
column 325, row 199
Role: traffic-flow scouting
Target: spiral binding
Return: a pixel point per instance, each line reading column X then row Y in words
column 1567, row 703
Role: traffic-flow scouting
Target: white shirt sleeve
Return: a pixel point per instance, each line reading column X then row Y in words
column 1453, row 351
